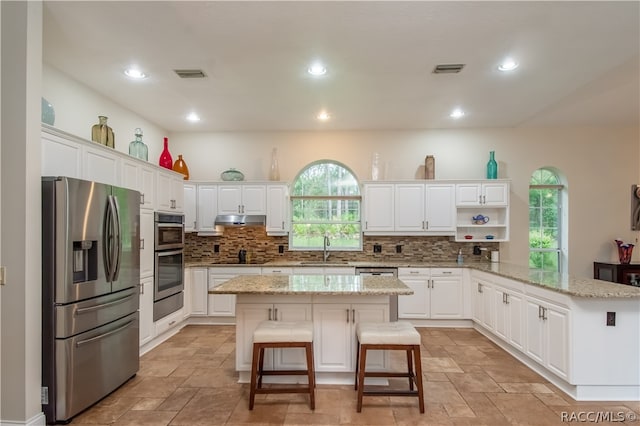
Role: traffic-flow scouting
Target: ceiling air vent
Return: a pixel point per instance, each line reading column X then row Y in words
column 190, row 73
column 448, row 68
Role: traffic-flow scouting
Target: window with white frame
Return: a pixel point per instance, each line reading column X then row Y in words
column 545, row 221
column 325, row 201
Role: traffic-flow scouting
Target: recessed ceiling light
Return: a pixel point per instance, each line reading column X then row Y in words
column 135, row 73
column 317, row 69
column 323, row 116
column 457, row 113
column 508, row 65
column 193, row 117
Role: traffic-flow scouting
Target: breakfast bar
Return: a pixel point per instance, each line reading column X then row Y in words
column 334, row 303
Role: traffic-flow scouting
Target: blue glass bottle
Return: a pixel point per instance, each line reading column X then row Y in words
column 492, row 166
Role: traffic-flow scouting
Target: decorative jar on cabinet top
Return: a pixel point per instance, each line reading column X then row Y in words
column 137, row 148
column 492, row 166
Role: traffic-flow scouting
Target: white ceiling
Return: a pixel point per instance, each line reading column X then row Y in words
column 579, row 62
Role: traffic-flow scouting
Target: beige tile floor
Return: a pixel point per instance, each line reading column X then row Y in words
column 190, row 380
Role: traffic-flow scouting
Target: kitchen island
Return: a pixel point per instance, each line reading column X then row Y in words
column 334, row 303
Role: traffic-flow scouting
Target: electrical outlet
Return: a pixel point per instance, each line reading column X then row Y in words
column 216, row 248
column 377, row 248
column 398, row 248
column 281, row 249
column 611, row 319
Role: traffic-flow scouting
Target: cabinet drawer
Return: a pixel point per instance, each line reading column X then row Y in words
column 169, row 321
column 413, row 272
column 446, row 272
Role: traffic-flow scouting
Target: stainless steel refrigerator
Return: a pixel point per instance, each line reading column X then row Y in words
column 90, row 278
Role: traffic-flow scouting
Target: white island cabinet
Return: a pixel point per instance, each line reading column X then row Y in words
column 335, row 304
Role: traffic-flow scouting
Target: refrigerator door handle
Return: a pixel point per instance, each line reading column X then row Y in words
column 81, row 311
column 118, row 238
column 102, row 336
column 107, row 242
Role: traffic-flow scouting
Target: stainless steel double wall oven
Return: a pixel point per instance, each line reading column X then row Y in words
column 169, row 264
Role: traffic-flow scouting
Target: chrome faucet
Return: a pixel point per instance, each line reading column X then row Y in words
column 325, row 248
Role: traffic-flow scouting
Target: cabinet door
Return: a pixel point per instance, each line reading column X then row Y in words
column 101, row 166
column 277, row 216
column 147, row 187
column 146, row 243
column 495, row 194
column 129, row 175
column 534, row 326
column 147, row 328
column 440, row 209
column 248, row 316
column 409, row 207
column 446, row 297
column 293, row 358
column 364, row 312
column 254, row 199
column 61, row 157
column 489, row 314
column 417, row 304
column 199, row 288
column 502, row 320
column 516, row 323
column 557, row 342
column 164, row 186
column 220, row 305
column 207, row 207
column 229, row 199
column 468, row 194
column 478, row 302
column 333, row 337
column 379, row 207
column 190, row 208
column 177, row 193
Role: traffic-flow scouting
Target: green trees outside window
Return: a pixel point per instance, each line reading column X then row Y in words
column 545, row 204
column 325, row 200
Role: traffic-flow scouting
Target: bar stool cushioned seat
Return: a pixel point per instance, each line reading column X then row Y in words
column 398, row 335
column 282, row 334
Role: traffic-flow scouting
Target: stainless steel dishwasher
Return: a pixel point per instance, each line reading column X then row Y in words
column 384, row 271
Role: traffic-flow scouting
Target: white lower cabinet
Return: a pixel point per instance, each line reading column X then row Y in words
column 146, row 243
column 224, row 305
column 147, row 330
column 547, row 335
column 249, row 315
column 335, row 342
column 438, row 293
column 198, row 283
column 484, row 312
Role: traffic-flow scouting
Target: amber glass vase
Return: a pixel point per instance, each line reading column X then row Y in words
column 181, row 167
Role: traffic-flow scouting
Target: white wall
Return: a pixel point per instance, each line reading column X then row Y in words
column 599, row 164
column 77, row 108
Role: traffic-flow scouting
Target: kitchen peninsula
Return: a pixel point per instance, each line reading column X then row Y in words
column 335, row 303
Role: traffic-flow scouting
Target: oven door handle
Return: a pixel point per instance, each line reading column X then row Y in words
column 169, row 225
column 168, row 252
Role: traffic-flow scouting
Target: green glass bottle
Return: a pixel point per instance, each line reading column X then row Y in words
column 492, row 166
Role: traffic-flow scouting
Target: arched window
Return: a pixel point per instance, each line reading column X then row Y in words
column 545, row 221
column 325, row 201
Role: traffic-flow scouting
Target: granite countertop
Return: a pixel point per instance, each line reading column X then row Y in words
column 330, row 285
column 567, row 284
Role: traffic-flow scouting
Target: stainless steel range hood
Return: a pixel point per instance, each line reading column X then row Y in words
column 241, row 220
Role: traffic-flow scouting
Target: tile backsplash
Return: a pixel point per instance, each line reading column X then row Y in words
column 263, row 248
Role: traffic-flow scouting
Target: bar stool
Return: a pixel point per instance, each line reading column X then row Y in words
column 282, row 334
column 399, row 335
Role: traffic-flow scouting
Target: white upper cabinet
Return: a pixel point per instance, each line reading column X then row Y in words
column 242, row 199
column 100, row 165
column 207, row 207
column 61, row 157
column 482, row 194
column 410, row 208
column 378, row 207
column 170, row 191
column 277, row 209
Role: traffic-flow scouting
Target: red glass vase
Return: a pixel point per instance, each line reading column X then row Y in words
column 165, row 157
